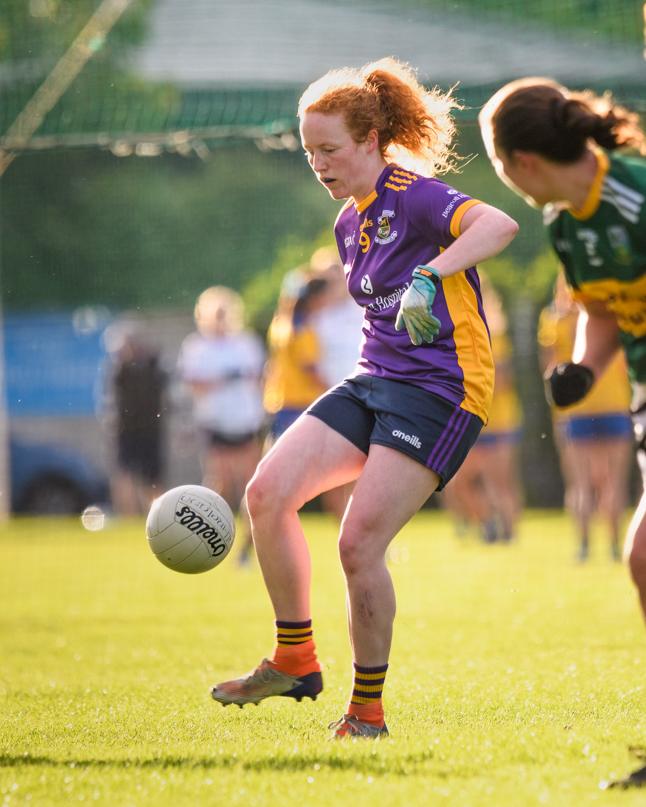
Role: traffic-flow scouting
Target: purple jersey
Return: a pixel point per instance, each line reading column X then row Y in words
column 405, row 222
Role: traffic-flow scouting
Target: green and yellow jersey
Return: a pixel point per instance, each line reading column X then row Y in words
column 603, row 249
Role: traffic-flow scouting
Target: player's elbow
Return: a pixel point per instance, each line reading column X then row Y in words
column 495, row 227
column 506, row 227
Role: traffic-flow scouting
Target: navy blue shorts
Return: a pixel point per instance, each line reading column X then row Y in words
column 283, row 419
column 435, row 432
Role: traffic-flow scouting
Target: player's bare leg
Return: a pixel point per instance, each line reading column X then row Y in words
column 466, row 495
column 499, row 478
column 123, row 487
column 308, row 459
column 391, row 489
column 335, row 501
column 227, row 470
column 635, row 556
column 579, row 496
column 612, row 489
column 635, row 551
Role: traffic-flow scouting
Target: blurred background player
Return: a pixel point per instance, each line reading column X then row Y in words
column 137, row 414
column 338, row 324
column 485, row 492
column 304, row 359
column 595, row 436
column 292, row 376
column 222, row 363
column 562, row 151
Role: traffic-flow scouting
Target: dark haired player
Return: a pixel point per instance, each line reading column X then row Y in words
column 562, row 151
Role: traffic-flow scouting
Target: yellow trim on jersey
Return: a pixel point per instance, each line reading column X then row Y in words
column 366, row 202
column 471, row 345
column 459, row 212
column 402, row 176
column 627, row 300
column 594, row 196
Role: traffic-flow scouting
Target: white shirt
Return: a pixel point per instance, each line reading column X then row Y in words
column 234, row 365
column 338, row 330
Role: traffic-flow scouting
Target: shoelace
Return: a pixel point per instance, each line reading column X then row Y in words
column 263, row 672
column 351, row 720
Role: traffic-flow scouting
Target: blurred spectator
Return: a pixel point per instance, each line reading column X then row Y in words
column 338, row 324
column 222, row 364
column 486, row 490
column 594, row 437
column 294, row 377
column 137, row 407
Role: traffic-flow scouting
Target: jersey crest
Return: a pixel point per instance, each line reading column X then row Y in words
column 384, row 233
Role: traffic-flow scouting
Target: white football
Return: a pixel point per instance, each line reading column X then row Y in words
column 190, row 529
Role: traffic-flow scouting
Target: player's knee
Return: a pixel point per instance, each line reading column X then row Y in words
column 356, row 549
column 260, row 493
column 350, row 554
column 268, row 493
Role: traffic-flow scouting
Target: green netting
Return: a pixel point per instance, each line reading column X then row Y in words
column 107, row 102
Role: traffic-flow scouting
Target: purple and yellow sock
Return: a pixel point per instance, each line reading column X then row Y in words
column 290, row 634
column 368, row 684
column 367, row 690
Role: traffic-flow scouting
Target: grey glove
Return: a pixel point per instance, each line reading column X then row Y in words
column 415, row 307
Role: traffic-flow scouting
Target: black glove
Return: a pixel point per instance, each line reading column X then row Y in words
column 569, row 383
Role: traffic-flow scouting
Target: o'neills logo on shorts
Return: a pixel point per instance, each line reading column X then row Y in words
column 413, row 439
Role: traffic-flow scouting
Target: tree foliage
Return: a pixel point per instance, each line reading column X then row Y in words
column 85, row 227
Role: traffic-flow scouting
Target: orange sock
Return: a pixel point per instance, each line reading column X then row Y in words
column 371, row 713
column 295, row 651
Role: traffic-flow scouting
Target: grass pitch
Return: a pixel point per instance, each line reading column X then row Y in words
column 516, row 678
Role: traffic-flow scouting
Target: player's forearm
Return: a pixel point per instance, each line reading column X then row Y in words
column 597, row 340
column 486, row 231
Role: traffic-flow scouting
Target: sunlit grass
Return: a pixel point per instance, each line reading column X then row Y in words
column 516, row 675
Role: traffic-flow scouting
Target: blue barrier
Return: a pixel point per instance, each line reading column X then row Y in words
column 53, row 362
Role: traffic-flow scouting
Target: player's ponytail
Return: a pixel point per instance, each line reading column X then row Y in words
column 414, row 125
column 584, row 115
column 540, row 116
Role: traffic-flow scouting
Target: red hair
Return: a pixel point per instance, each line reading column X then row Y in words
column 414, row 125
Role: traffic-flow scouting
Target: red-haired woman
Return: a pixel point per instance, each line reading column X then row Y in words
column 562, row 151
column 403, row 423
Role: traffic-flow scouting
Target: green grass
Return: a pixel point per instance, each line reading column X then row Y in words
column 517, row 677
